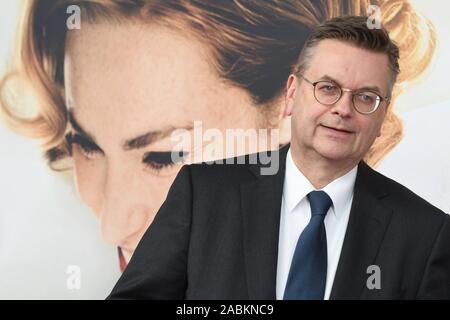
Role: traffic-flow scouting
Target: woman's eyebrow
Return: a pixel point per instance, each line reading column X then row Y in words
column 151, row 137
column 138, row 142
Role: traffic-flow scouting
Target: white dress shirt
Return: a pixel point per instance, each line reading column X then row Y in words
column 295, row 216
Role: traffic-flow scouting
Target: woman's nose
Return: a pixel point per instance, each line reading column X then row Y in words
column 124, row 213
column 124, row 225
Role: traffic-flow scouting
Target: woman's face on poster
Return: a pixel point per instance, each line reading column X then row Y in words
column 128, row 87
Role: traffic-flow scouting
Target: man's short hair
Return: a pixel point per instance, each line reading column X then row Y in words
column 353, row 30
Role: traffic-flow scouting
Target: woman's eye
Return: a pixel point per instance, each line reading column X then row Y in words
column 88, row 148
column 161, row 160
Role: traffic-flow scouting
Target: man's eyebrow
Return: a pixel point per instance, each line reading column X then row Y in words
column 77, row 127
column 370, row 88
column 151, row 137
column 327, row 77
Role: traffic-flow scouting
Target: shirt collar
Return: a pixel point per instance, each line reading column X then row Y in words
column 297, row 186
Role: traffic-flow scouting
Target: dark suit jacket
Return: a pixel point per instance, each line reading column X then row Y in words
column 216, row 237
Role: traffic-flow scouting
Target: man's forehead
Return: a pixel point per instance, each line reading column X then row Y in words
column 341, row 50
column 343, row 60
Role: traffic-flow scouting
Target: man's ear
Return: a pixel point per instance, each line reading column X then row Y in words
column 291, row 89
column 284, row 123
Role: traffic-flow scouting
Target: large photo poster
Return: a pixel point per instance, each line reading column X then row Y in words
column 95, row 97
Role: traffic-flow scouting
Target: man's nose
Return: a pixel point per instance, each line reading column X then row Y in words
column 344, row 106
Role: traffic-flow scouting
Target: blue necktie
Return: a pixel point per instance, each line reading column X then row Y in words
column 308, row 273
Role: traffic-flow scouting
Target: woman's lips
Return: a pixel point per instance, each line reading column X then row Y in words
column 127, row 253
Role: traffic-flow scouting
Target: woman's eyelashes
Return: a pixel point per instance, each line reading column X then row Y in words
column 87, row 146
column 158, row 160
column 155, row 160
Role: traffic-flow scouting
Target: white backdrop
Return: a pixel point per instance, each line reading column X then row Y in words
column 44, row 229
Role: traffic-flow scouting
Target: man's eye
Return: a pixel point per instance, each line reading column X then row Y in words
column 366, row 98
column 87, row 147
column 164, row 160
column 328, row 88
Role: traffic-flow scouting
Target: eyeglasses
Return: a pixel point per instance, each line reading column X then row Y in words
column 328, row 93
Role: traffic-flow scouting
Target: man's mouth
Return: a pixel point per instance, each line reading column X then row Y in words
column 341, row 130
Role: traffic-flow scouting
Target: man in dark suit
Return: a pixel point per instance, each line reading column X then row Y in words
column 325, row 225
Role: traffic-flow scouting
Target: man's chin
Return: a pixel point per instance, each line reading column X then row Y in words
column 334, row 153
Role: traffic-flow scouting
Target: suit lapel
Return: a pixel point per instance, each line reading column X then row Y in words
column 260, row 206
column 365, row 231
